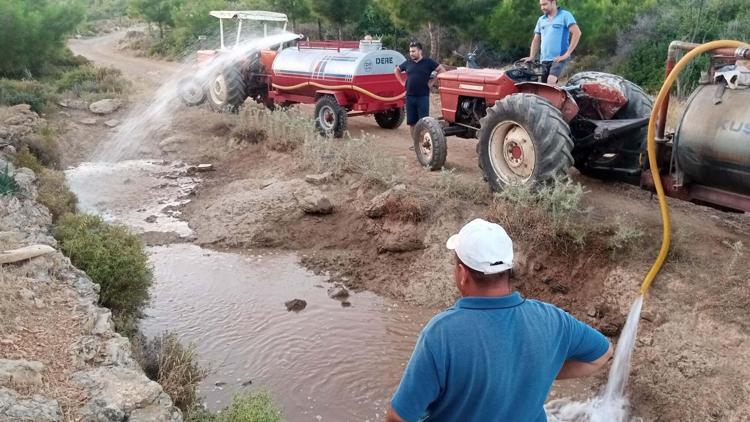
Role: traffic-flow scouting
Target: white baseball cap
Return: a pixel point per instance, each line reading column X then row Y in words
column 483, row 246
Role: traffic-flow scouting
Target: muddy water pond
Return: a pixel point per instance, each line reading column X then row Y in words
column 326, row 362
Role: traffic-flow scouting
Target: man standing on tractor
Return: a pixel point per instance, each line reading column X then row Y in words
column 494, row 355
column 418, row 70
column 558, row 33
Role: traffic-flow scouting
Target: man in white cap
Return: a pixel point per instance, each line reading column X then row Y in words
column 493, row 355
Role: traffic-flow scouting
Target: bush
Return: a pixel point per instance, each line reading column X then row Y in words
column 625, row 237
column 88, row 79
column 24, row 158
column 165, row 360
column 43, row 145
column 283, row 130
column 33, row 34
column 252, row 407
column 351, row 155
column 53, row 192
column 8, row 185
column 30, row 92
column 450, row 186
column 113, row 257
column 543, row 215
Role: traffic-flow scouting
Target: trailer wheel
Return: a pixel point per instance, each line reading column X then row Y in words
column 624, row 153
column 191, row 91
column 330, row 117
column 430, row 144
column 390, row 119
column 523, row 139
column 227, row 89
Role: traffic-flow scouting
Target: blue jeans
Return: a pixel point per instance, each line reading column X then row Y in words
column 416, row 108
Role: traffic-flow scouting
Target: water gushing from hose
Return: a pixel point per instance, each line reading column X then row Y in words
column 151, row 122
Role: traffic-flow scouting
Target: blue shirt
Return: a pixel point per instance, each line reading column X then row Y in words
column 491, row 359
column 418, row 76
column 555, row 34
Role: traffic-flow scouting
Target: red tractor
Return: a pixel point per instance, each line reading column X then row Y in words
column 530, row 132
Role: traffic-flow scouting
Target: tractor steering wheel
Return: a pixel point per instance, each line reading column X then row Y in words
column 532, row 66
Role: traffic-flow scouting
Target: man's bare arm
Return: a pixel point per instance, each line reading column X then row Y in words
column 535, row 43
column 576, row 369
column 399, row 76
column 575, row 37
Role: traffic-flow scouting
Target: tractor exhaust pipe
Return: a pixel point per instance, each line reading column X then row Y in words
column 740, row 53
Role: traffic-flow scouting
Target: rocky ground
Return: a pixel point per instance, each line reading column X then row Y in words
column 60, row 358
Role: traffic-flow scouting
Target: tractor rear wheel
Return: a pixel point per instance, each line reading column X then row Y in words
column 227, row 89
column 523, row 139
column 390, row 119
column 191, row 91
column 430, row 144
column 330, row 117
column 623, row 154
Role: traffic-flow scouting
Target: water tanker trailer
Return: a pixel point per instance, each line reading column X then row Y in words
column 342, row 78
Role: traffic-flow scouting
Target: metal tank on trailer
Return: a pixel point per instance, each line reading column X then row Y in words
column 343, row 79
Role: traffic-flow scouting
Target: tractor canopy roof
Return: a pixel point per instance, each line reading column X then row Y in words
column 254, row 15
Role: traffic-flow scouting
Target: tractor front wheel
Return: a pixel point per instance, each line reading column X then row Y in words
column 330, row 117
column 523, row 139
column 191, row 91
column 430, row 144
column 390, row 119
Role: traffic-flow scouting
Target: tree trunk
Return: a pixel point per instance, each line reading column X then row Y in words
column 161, row 30
column 433, row 38
column 340, row 38
column 320, row 31
column 436, row 55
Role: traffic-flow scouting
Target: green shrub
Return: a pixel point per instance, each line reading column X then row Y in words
column 53, row 192
column 8, row 185
column 43, row 145
column 251, row 407
column 88, row 79
column 543, row 215
column 33, row 93
column 112, row 256
column 24, row 158
column 165, row 360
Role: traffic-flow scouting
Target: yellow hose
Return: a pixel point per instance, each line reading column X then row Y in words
column 663, row 93
column 334, row 87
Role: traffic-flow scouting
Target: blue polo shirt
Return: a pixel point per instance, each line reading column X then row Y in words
column 555, row 34
column 492, row 359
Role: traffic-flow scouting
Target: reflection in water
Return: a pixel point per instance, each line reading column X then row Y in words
column 329, row 361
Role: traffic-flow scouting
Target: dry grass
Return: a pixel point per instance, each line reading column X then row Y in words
column 406, row 208
column 24, row 158
column 282, row 130
column 54, row 193
column 548, row 215
column 351, row 155
column 625, row 237
column 453, row 187
column 43, row 331
column 165, row 360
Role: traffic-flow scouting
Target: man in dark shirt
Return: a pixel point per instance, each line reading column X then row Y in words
column 418, row 70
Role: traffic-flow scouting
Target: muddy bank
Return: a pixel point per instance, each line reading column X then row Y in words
column 60, row 358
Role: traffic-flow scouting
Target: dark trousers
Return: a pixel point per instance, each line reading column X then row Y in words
column 416, row 108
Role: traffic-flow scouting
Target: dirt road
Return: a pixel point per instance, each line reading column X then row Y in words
column 692, row 359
